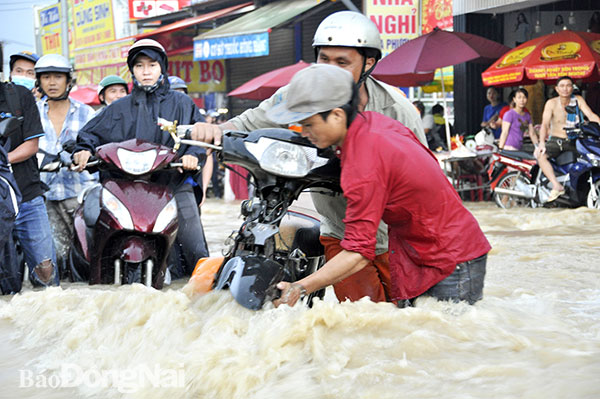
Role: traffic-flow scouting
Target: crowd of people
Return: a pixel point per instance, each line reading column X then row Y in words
column 398, row 231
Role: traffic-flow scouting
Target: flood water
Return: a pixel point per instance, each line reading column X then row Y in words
column 536, row 333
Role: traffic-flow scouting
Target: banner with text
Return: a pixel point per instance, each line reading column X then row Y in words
column 93, row 22
column 50, row 29
column 242, row 46
column 436, row 13
column 94, row 63
column 200, row 76
column 397, row 21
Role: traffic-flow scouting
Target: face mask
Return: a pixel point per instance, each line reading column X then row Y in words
column 24, row 81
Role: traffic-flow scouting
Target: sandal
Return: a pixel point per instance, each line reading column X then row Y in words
column 554, row 194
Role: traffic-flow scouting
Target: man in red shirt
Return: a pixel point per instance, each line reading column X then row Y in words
column 436, row 246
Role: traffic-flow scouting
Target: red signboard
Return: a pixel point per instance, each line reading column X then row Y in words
column 139, row 9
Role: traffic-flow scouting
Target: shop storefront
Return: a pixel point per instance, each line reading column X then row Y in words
column 512, row 22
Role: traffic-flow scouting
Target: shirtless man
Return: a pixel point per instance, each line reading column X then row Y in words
column 554, row 120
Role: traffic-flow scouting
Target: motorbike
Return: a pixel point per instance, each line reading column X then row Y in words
column 126, row 225
column 518, row 181
column 274, row 242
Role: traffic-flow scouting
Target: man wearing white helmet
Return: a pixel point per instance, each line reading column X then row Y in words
column 350, row 41
column 61, row 117
column 136, row 116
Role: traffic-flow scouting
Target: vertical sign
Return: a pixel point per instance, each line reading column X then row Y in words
column 93, row 22
column 436, row 13
column 397, row 21
column 50, row 30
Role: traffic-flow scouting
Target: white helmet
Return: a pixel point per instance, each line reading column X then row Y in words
column 348, row 29
column 54, row 63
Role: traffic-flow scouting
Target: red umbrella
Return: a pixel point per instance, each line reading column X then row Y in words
column 263, row 86
column 565, row 53
column 436, row 49
column 86, row 94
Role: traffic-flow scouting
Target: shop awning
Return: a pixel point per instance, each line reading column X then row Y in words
column 248, row 36
column 186, row 23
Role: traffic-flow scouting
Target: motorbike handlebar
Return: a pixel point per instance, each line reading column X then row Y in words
column 180, row 165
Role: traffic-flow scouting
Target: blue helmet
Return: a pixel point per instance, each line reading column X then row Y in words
column 24, row 55
column 175, row 82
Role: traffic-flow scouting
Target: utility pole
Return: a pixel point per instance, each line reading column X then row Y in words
column 65, row 28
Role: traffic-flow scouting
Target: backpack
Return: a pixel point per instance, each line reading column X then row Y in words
column 10, row 198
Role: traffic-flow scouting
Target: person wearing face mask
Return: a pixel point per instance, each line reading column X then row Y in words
column 31, row 228
column 61, row 117
column 22, row 70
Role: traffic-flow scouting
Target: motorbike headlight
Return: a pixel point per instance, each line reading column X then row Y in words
column 166, row 216
column 136, row 163
column 285, row 159
column 118, row 210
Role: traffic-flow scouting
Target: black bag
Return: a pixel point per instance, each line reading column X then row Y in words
column 11, row 278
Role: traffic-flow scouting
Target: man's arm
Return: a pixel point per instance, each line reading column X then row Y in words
column 24, row 151
column 587, row 111
column 544, row 128
column 251, row 119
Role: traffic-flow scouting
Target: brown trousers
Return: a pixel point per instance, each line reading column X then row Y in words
column 372, row 281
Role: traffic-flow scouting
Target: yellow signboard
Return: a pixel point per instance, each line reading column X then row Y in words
column 50, row 29
column 94, row 63
column 200, row 76
column 397, row 20
column 93, row 21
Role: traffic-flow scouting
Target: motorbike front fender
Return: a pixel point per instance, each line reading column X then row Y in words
column 135, row 249
column 252, row 280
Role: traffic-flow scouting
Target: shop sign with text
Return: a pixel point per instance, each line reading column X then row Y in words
column 200, row 76
column 93, row 22
column 50, row 29
column 397, row 21
column 242, row 46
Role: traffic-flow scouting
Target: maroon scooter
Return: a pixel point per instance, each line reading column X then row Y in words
column 126, row 225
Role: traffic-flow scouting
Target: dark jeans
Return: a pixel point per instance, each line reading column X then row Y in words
column 464, row 284
column 190, row 236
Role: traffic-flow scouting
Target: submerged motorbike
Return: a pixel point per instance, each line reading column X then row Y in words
column 126, row 225
column 273, row 243
column 524, row 184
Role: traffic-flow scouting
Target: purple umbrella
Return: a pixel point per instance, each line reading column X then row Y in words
column 437, row 49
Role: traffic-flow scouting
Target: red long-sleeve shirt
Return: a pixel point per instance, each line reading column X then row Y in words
column 387, row 174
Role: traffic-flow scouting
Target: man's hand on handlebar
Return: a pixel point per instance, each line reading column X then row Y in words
column 207, row 133
column 80, row 160
column 189, row 162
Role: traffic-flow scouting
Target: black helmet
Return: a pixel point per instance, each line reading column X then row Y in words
column 24, row 55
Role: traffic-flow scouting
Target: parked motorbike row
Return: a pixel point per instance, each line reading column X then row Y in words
column 517, row 181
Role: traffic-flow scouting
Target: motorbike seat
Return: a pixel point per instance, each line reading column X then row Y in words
column 517, row 154
column 566, row 158
column 307, row 239
column 91, row 205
